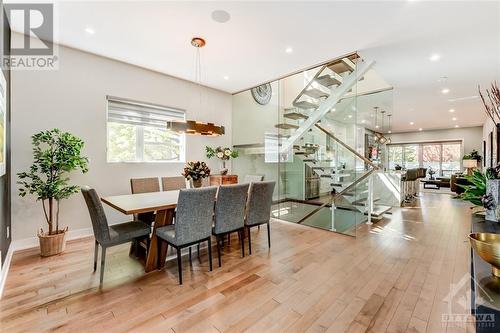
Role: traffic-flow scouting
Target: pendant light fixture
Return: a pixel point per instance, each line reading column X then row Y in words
column 192, row 126
column 376, row 137
column 389, row 127
column 383, row 139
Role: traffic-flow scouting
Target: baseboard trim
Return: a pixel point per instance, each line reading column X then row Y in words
column 32, row 242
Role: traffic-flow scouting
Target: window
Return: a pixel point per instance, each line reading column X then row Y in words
column 443, row 157
column 137, row 132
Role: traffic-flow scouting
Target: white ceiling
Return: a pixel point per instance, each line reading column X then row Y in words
column 250, row 48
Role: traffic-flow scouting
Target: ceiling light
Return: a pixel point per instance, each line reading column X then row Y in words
column 389, row 132
column 334, row 109
column 89, row 30
column 412, row 123
column 445, row 91
column 420, row 129
column 220, row 16
column 226, row 77
column 377, row 126
column 363, row 121
column 451, row 110
column 454, row 118
column 456, row 126
column 288, row 50
column 434, row 57
column 349, row 116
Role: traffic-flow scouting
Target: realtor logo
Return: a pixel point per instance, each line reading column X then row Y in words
column 33, row 49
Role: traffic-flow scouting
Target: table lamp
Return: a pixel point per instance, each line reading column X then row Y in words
column 470, row 165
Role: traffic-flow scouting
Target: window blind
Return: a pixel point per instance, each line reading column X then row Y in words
column 141, row 114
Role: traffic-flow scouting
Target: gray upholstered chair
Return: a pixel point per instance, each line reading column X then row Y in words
column 173, row 183
column 145, row 185
column 230, row 213
column 253, row 178
column 193, row 223
column 106, row 235
column 258, row 212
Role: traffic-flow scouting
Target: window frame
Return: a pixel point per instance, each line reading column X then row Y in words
column 140, row 130
column 420, row 152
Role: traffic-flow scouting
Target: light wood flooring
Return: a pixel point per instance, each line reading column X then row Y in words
column 393, row 277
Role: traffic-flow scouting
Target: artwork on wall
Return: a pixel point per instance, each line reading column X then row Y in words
column 484, row 153
column 3, row 123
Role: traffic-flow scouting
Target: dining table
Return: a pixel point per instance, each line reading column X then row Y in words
column 163, row 203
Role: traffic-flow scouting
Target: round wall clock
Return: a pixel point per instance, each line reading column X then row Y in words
column 262, row 94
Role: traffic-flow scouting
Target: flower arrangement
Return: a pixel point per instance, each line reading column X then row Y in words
column 196, row 170
column 223, row 154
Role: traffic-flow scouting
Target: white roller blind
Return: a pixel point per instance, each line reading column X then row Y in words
column 141, row 114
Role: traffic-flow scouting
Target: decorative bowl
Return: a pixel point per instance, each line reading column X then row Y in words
column 487, row 246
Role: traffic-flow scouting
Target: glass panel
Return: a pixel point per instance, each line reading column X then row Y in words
column 395, row 156
column 121, row 142
column 411, row 156
column 451, row 158
column 431, row 157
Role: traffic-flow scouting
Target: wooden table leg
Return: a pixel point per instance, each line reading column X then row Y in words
column 163, row 217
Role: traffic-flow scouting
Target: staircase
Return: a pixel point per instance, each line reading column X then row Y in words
column 349, row 189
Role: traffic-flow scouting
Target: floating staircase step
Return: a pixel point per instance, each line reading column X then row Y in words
column 352, row 193
column 295, row 115
column 363, row 201
column 286, row 126
column 306, row 105
column 315, row 93
column 342, row 66
column 329, row 80
column 312, row 160
column 379, row 210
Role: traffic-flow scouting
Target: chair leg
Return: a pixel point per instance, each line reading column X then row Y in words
column 103, row 260
column 210, row 252
column 179, row 264
column 249, row 241
column 158, row 253
column 269, row 234
column 242, row 241
column 218, row 249
column 95, row 255
column 198, row 249
column 190, row 256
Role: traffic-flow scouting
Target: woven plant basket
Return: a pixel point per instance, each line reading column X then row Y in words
column 52, row 244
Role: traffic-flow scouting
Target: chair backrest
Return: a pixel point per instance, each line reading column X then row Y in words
column 173, row 183
column 259, row 202
column 194, row 215
column 230, row 207
column 411, row 174
column 144, row 185
column 97, row 215
column 253, row 178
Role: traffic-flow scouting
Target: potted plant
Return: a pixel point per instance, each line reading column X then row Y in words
column 195, row 172
column 55, row 154
column 484, row 190
column 398, row 167
column 223, row 154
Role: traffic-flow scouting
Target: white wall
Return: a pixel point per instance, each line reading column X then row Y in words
column 470, row 136
column 73, row 99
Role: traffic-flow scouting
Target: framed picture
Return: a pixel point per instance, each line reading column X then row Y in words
column 3, row 122
column 484, row 153
column 490, row 150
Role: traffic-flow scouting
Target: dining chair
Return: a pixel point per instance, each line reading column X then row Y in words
column 253, row 178
column 173, row 183
column 145, row 185
column 230, row 214
column 106, row 235
column 193, row 223
column 258, row 209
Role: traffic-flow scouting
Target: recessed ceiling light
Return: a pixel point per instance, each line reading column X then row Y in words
column 220, row 16
column 376, row 126
column 334, row 109
column 420, row 129
column 389, row 132
column 412, row 123
column 451, row 110
column 363, row 121
column 445, row 91
column 288, row 50
column 89, row 30
column 456, row 126
column 454, row 118
column 226, row 77
column 350, row 116
column 434, row 57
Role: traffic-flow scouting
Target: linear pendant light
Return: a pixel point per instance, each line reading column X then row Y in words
column 194, row 127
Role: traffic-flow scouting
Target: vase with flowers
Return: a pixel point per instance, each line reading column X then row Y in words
column 195, row 171
column 223, row 154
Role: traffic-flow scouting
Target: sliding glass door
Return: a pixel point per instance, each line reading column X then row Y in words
column 442, row 157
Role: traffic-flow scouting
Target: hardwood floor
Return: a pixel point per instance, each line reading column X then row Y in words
column 394, row 277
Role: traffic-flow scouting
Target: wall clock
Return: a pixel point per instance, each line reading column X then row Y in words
column 262, row 94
